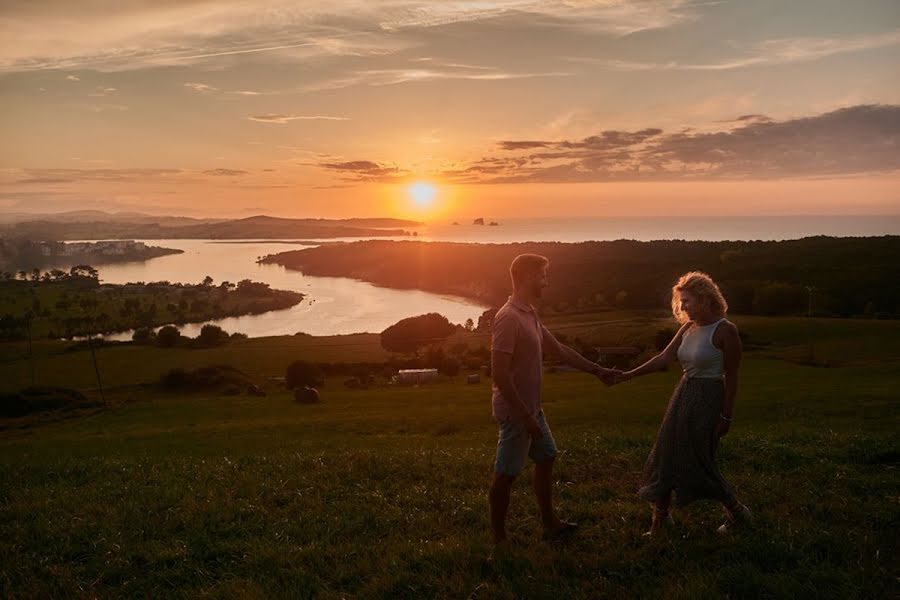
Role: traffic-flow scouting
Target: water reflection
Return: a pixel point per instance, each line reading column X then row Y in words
column 334, row 305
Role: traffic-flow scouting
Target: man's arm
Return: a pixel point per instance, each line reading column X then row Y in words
column 504, row 332
column 501, row 372
column 571, row 356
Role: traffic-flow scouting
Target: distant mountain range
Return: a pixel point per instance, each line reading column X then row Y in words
column 98, row 216
column 97, row 225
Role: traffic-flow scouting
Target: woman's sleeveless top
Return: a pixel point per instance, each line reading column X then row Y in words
column 698, row 355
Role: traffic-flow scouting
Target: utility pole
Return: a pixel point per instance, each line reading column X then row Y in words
column 28, row 318
column 809, row 310
column 96, row 369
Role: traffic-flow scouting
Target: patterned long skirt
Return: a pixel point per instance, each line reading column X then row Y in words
column 683, row 458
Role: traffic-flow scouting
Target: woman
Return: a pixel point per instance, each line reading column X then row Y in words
column 701, row 408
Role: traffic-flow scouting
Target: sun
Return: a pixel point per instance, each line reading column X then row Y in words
column 422, row 194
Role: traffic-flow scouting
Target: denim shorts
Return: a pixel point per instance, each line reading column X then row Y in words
column 515, row 445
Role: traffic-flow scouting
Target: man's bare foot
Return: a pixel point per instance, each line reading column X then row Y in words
column 559, row 529
column 501, row 550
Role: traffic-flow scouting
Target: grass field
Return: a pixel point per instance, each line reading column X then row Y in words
column 382, row 492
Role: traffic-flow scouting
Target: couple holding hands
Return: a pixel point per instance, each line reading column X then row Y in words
column 699, row 412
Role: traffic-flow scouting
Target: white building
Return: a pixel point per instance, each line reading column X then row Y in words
column 416, row 375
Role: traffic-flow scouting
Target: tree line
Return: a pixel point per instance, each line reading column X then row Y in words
column 819, row 276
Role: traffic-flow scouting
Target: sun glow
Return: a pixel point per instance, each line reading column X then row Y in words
column 422, row 194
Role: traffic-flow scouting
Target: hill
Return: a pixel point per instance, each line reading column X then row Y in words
column 87, row 225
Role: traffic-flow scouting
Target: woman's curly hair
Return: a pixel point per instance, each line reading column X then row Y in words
column 703, row 287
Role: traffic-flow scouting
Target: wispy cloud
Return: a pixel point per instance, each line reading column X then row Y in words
column 225, row 172
column 200, row 87
column 770, row 52
column 102, row 91
column 72, row 78
column 68, row 175
column 106, row 107
column 282, row 118
column 145, row 34
column 382, row 77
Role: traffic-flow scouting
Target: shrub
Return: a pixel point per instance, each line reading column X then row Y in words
column 300, row 373
column 408, row 335
column 202, row 379
column 212, row 335
column 168, row 336
column 142, row 335
column 40, row 399
column 449, row 366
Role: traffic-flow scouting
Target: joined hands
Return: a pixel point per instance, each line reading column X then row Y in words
column 611, row 377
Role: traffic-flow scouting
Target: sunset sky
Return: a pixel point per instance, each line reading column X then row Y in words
column 505, row 108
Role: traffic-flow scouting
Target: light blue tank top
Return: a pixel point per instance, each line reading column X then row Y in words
column 698, row 355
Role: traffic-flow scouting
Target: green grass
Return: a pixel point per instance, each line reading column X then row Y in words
column 381, row 492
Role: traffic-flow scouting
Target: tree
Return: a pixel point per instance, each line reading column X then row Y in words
column 168, row 336
column 142, row 335
column 300, row 373
column 408, row 335
column 246, row 286
column 449, row 366
column 84, row 271
column 207, row 281
column 486, row 320
column 212, row 335
column 470, row 325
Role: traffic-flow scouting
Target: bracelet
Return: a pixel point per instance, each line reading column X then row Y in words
column 726, row 419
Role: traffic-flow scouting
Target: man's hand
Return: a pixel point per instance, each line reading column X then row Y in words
column 623, row 376
column 607, row 376
column 533, row 428
column 722, row 427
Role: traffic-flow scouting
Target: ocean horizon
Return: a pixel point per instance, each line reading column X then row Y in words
column 713, row 229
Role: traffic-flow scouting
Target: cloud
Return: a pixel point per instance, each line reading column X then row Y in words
column 849, row 141
column 767, row 53
column 282, row 118
column 381, row 77
column 364, row 170
column 225, row 172
column 44, row 180
column 141, row 34
column 71, row 175
column 526, row 145
column 106, row 107
column 201, row 87
column 102, row 91
column 72, row 78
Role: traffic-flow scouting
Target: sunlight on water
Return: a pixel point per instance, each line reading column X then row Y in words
column 333, row 305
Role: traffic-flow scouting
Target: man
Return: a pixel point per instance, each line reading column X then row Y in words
column 517, row 345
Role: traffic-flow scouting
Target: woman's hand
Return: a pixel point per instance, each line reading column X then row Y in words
column 722, row 427
column 623, row 376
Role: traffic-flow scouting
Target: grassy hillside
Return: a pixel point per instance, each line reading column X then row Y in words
column 381, row 492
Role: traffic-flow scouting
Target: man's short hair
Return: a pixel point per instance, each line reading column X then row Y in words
column 526, row 264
